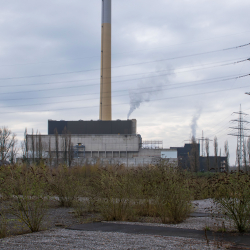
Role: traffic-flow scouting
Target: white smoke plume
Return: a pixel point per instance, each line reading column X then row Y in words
column 194, row 122
column 145, row 91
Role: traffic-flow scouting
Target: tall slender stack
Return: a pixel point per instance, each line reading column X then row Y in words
column 105, row 91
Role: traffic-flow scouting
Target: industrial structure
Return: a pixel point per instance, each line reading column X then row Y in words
column 104, row 141
column 190, row 157
column 105, row 86
column 111, row 142
column 82, row 142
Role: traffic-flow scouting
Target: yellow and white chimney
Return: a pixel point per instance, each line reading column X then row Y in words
column 105, row 91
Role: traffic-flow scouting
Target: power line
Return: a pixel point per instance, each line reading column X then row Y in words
column 147, row 89
column 202, row 140
column 211, row 80
column 221, row 127
column 216, row 64
column 81, row 86
column 71, row 87
column 118, row 104
column 161, row 60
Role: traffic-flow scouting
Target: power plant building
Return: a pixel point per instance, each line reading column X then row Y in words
column 112, row 142
column 104, row 141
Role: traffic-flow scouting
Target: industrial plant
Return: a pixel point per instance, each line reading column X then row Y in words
column 105, row 140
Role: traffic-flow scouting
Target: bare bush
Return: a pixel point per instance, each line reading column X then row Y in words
column 172, row 196
column 27, row 187
column 65, row 183
column 115, row 191
column 232, row 194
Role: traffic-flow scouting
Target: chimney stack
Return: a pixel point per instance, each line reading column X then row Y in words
column 105, row 86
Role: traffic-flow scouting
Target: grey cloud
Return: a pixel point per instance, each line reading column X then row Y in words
column 61, row 31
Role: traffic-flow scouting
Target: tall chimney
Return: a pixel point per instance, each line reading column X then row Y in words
column 105, row 91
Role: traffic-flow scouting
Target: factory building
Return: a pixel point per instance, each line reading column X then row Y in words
column 187, row 154
column 112, row 142
column 104, row 141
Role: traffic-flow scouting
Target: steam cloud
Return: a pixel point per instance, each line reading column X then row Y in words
column 144, row 92
column 194, row 122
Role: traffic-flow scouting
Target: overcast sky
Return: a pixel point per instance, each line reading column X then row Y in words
column 177, row 59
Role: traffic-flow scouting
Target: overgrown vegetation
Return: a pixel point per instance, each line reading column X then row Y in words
column 232, row 194
column 118, row 193
column 65, row 184
column 172, row 196
column 27, row 192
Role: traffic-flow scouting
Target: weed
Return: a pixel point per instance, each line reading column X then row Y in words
column 232, row 194
column 172, row 196
column 115, row 190
column 80, row 208
column 65, row 184
column 29, row 202
column 3, row 226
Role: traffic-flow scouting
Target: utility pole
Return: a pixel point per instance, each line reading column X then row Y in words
column 240, row 136
column 202, row 140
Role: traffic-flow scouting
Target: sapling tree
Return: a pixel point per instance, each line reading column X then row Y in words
column 194, row 156
column 245, row 157
column 226, row 148
column 56, row 147
column 24, row 146
column 216, row 167
column 207, row 153
column 8, row 144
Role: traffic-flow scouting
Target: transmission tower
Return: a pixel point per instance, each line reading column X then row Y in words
column 240, row 136
column 201, row 141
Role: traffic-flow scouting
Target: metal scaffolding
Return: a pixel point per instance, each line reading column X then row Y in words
column 152, row 144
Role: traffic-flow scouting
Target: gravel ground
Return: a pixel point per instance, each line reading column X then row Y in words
column 59, row 238
column 68, row 239
column 205, row 206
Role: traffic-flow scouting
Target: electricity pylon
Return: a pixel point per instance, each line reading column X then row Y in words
column 201, row 141
column 240, row 136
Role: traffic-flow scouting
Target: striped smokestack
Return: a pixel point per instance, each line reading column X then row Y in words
column 105, row 91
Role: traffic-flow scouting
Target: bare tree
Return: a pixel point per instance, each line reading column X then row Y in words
column 57, row 146
column 226, row 148
column 194, row 156
column 37, row 145
column 65, row 145
column 50, row 153
column 207, row 153
column 238, row 158
column 245, row 156
column 33, row 146
column 216, row 154
column 40, row 148
column 248, row 150
column 70, row 150
column 8, row 143
column 24, row 146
